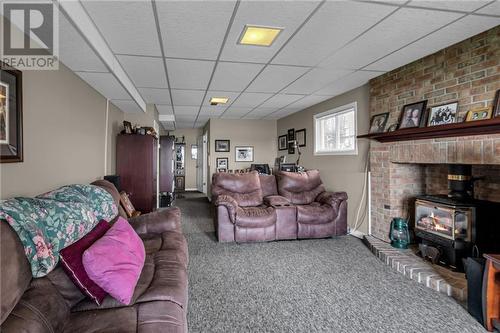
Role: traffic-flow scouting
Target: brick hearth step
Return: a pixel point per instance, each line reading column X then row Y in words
column 437, row 278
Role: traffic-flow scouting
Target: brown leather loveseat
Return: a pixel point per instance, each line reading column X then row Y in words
column 53, row 303
column 251, row 207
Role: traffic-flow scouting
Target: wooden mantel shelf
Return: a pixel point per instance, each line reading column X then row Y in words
column 489, row 126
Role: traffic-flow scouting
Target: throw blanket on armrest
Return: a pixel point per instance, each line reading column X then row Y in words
column 51, row 221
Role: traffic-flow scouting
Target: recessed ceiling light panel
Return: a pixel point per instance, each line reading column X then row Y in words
column 218, row 100
column 258, row 35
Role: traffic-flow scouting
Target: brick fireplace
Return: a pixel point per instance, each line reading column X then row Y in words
column 402, row 170
column 467, row 72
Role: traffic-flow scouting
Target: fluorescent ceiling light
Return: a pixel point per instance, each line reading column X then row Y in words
column 260, row 36
column 218, row 100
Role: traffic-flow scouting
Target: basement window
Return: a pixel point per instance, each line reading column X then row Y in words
column 335, row 131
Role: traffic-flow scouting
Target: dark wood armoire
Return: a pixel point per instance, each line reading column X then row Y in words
column 136, row 160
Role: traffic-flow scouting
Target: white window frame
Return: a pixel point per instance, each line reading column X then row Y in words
column 337, row 110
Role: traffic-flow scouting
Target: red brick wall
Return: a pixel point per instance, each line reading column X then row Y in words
column 468, row 72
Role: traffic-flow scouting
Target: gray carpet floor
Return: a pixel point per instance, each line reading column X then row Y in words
column 326, row 285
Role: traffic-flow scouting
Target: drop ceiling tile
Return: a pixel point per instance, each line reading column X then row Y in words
column 330, row 28
column 281, row 100
column 188, row 124
column 164, row 109
column 492, row 9
column 106, row 84
column 187, row 97
column 309, row 101
column 282, row 14
column 451, row 34
column 315, row 79
column 275, row 77
column 212, row 111
column 350, row 82
column 252, row 116
column 193, row 29
column 234, row 76
column 147, row 72
column 185, row 118
column 389, row 35
column 155, row 95
column 127, row 106
column 113, row 19
column 215, row 93
column 181, row 110
column 74, row 51
column 462, row 5
column 235, row 113
column 189, row 74
column 200, row 124
column 250, row 99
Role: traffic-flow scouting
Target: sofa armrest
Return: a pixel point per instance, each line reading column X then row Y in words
column 157, row 222
column 333, row 199
column 230, row 203
column 276, row 200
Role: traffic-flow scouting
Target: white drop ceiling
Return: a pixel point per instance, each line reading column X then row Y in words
column 178, row 54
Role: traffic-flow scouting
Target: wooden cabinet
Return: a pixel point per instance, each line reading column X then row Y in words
column 136, row 160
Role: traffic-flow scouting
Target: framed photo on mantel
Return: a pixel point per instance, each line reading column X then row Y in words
column 11, row 115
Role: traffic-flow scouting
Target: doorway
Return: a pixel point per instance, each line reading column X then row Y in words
column 201, row 164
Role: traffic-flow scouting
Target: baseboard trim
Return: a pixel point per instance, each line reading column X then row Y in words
column 357, row 234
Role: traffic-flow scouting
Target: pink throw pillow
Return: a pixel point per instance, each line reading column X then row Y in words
column 71, row 262
column 115, row 261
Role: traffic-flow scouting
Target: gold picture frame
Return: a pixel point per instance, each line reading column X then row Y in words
column 479, row 114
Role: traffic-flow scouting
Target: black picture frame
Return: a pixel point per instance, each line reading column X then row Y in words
column 219, row 160
column 222, row 146
column 282, row 142
column 406, row 118
column 11, row 116
column 378, row 123
column 291, row 138
column 301, row 138
column 496, row 104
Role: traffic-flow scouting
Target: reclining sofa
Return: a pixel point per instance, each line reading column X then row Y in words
column 54, row 304
column 251, row 207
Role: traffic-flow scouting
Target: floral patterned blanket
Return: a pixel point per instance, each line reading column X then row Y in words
column 51, row 221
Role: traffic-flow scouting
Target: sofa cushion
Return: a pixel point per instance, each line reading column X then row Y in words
column 301, row 188
column 255, row 217
column 244, row 188
column 41, row 309
column 123, row 320
column 315, row 213
column 115, row 261
column 71, row 262
column 163, row 277
column 268, row 185
column 167, row 241
column 16, row 271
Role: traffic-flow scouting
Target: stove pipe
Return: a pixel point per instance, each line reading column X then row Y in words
column 460, row 183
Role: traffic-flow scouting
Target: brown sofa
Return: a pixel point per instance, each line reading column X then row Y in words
column 251, row 207
column 54, row 304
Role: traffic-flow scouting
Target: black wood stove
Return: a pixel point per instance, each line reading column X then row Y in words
column 456, row 226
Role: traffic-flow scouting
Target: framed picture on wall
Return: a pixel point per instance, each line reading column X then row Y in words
column 412, row 114
column 11, row 115
column 282, row 142
column 222, row 163
column 222, row 146
column 300, row 136
column 244, row 154
column 291, row 138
